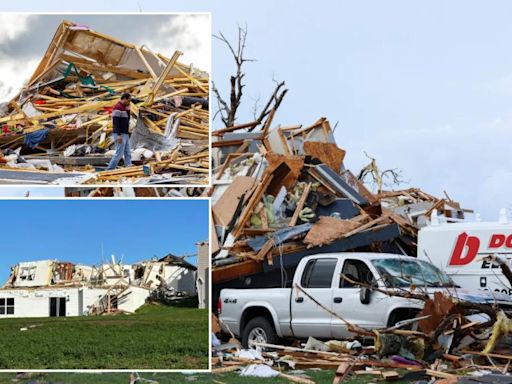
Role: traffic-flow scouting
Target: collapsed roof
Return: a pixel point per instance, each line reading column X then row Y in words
column 56, row 130
column 53, row 273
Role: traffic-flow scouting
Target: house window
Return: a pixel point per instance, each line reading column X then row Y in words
column 28, row 274
column 7, row 306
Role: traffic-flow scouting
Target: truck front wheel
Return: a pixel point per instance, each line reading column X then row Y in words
column 258, row 330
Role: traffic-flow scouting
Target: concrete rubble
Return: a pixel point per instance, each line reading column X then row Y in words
column 57, row 129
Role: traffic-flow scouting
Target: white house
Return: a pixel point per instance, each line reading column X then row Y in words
column 53, row 288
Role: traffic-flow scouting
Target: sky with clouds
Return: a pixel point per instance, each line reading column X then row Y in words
column 24, row 38
column 422, row 86
column 122, row 231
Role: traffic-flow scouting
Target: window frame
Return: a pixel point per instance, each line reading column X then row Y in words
column 305, row 280
column 341, row 280
column 6, row 308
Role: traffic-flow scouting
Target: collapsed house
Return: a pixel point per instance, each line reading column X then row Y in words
column 284, row 193
column 56, row 289
column 281, row 194
column 57, row 129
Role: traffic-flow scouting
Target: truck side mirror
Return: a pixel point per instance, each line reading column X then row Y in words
column 364, row 295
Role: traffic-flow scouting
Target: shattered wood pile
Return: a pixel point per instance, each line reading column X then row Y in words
column 281, row 194
column 450, row 341
column 57, row 129
column 133, row 191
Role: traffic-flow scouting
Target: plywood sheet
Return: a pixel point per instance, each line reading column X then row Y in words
column 295, row 163
column 214, row 240
column 225, row 207
column 327, row 229
column 327, row 153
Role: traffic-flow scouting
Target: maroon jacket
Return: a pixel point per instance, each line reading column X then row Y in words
column 120, row 118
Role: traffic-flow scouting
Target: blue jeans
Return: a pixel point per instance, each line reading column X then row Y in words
column 122, row 150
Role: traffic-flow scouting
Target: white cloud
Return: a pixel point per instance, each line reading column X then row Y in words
column 190, row 34
column 14, row 76
column 13, row 73
column 11, row 25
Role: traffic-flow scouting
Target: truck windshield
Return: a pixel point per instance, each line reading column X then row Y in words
column 398, row 272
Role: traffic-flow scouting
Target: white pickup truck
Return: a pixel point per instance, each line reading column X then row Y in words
column 265, row 315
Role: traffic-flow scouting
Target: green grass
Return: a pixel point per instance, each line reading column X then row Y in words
column 161, row 378
column 318, row 376
column 156, row 337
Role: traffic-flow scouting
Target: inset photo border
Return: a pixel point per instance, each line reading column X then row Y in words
column 106, row 285
column 105, row 99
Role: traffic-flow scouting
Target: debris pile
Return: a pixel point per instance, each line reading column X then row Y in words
column 57, row 129
column 281, row 194
column 450, row 341
column 130, row 192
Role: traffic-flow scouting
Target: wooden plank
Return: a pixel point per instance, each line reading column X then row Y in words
column 234, row 271
column 300, row 205
column 148, row 67
column 442, row 375
column 495, row 355
column 163, row 75
column 255, row 198
column 342, row 372
column 327, row 153
column 224, row 209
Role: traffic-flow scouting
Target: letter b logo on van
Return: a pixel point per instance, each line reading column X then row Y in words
column 465, row 250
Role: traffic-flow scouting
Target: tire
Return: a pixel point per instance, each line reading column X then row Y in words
column 259, row 329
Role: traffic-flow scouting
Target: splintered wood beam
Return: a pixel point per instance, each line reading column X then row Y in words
column 235, row 271
column 192, row 79
column 19, row 118
column 300, row 205
column 164, row 75
column 249, row 208
column 149, row 68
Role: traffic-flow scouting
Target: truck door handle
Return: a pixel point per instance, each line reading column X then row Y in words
column 299, row 299
column 338, row 300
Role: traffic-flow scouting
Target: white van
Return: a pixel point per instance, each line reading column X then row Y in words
column 459, row 249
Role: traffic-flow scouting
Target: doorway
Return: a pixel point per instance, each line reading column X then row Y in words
column 57, row 306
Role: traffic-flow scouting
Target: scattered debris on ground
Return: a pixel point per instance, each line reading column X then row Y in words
column 442, row 345
column 57, row 130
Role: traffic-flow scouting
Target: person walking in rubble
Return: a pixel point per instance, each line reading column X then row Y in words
column 120, row 125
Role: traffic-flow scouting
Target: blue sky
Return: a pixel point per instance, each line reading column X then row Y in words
column 424, row 86
column 74, row 230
